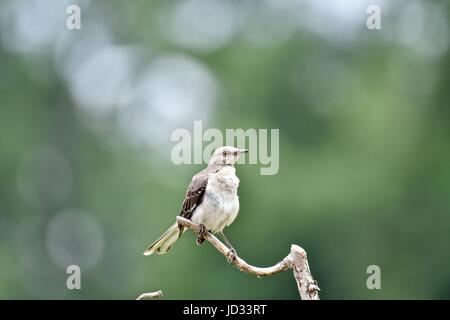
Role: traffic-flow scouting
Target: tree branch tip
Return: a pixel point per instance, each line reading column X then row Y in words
column 150, row 295
column 298, row 250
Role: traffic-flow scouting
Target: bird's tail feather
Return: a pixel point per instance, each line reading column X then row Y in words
column 165, row 242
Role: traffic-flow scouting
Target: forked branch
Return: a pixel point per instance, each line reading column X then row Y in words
column 295, row 260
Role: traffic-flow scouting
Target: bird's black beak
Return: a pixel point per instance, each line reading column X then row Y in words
column 243, row 151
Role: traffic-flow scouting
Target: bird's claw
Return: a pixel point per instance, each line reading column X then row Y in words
column 231, row 255
column 201, row 234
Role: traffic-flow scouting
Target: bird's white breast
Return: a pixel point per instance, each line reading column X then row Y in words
column 220, row 204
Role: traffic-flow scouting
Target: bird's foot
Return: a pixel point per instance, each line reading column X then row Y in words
column 201, row 234
column 231, row 255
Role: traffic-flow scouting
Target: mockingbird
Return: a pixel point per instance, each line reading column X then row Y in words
column 211, row 200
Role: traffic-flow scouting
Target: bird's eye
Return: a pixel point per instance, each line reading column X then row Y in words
column 224, row 152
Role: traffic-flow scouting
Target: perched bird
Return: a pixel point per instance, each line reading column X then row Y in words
column 211, row 200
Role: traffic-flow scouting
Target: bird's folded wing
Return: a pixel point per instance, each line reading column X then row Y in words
column 194, row 194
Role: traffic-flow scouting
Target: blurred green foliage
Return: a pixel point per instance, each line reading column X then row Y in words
column 364, row 146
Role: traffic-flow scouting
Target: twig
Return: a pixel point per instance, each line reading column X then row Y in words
column 150, row 295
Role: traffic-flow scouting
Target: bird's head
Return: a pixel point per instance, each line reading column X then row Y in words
column 226, row 155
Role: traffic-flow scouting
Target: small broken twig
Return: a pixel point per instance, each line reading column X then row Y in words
column 150, row 295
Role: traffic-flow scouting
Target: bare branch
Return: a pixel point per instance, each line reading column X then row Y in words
column 238, row 262
column 295, row 260
column 150, row 295
column 307, row 286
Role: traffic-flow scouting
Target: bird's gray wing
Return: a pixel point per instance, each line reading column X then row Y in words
column 194, row 194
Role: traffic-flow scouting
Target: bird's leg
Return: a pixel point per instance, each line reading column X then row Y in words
column 231, row 256
column 201, row 234
column 226, row 240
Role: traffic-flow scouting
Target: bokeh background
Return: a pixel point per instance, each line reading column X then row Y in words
column 85, row 123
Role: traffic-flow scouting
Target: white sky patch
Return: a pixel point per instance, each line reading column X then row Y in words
column 34, row 26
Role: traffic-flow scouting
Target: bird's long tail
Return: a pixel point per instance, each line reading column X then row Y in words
column 165, row 242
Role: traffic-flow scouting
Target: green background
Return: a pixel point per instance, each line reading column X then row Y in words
column 85, row 123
